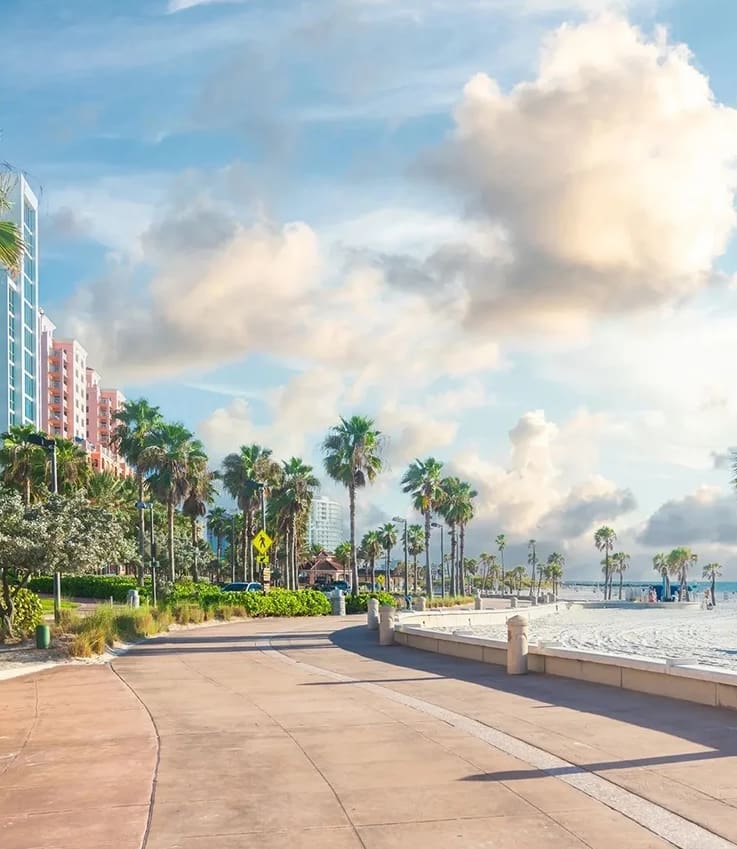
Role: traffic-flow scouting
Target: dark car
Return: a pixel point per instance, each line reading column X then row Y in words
column 243, row 587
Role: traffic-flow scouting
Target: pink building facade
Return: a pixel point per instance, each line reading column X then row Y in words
column 74, row 404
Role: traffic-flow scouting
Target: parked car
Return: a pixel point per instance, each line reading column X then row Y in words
column 243, row 587
column 343, row 586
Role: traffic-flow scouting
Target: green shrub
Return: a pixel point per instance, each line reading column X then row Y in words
column 91, row 586
column 135, row 624
column 80, row 646
column 359, row 603
column 449, row 601
column 223, row 611
column 69, row 621
column 28, row 611
column 162, row 616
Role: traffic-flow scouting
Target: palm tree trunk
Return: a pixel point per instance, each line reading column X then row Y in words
column 621, row 581
column 373, row 574
column 387, row 585
column 247, row 538
column 293, row 559
column 461, row 562
column 453, row 560
column 414, row 574
column 606, row 572
column 141, row 526
column 354, row 558
column 428, row 571
column 501, row 557
column 170, row 540
column 713, row 589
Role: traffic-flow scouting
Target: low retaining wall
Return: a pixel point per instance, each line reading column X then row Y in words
column 704, row 685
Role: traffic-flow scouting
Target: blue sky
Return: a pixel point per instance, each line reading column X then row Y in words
column 505, row 229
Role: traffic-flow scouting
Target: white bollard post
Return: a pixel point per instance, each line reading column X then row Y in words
column 373, row 614
column 386, row 624
column 478, row 603
column 517, row 645
column 513, row 601
column 420, row 603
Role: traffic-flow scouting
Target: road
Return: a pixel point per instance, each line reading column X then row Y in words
column 308, row 734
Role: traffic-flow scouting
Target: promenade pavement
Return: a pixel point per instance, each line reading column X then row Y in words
column 306, row 733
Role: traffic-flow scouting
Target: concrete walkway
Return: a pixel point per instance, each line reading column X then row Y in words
column 307, row 734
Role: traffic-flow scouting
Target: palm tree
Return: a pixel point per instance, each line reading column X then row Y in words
column 711, row 572
column 371, row 548
column 244, row 474
column 174, row 459
column 660, row 564
column 104, row 489
column 532, row 561
column 342, row 554
column 136, row 421
column 454, row 508
column 554, row 570
column 388, row 538
column 218, row 523
column 422, row 482
column 415, row 547
column 293, row 498
column 72, row 467
column 678, row 562
column 620, row 563
column 604, row 540
column 501, row 544
column 352, row 452
column 465, row 514
column 201, row 493
column 23, row 462
column 11, row 239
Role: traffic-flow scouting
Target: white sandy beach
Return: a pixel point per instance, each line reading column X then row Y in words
column 709, row 636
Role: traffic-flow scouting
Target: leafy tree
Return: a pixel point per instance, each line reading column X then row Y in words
column 72, row 467
column 388, row 537
column 219, row 525
column 620, row 563
column 451, row 509
column 711, row 572
column 678, row 562
column 292, row 500
column 371, row 549
column 352, row 452
column 64, row 534
column 201, row 493
column 342, row 554
column 104, row 489
column 175, row 460
column 604, row 540
column 554, row 570
column 422, row 481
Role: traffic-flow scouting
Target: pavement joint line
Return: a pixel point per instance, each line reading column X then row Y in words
column 677, row 830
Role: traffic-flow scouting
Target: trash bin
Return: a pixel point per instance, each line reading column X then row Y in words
column 43, row 636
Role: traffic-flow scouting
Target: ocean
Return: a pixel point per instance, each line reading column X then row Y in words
column 721, row 586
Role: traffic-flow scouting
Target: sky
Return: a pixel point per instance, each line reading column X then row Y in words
column 505, row 229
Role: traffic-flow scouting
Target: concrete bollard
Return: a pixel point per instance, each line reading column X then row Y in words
column 517, row 645
column 513, row 601
column 134, row 600
column 337, row 603
column 387, row 613
column 550, row 598
column 420, row 603
column 373, row 614
column 478, row 602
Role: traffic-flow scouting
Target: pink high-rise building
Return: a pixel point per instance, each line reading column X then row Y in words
column 74, row 405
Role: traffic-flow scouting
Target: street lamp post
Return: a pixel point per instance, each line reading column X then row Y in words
column 49, row 446
column 533, row 562
column 143, row 506
column 442, row 556
column 406, row 555
column 232, row 547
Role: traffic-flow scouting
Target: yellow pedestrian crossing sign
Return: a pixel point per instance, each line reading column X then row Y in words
column 262, row 542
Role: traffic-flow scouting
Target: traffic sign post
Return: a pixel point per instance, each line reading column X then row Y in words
column 262, row 542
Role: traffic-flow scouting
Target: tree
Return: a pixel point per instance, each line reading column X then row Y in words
column 532, row 561
column 23, row 462
column 711, row 572
column 660, row 564
column 415, row 547
column 104, row 489
column 11, row 239
column 604, row 540
column 388, row 538
column 422, row 481
column 72, row 467
column 620, row 563
column 352, row 450
column 371, row 548
column 342, row 554
column 501, row 544
column 136, row 421
column 219, row 524
column 201, row 493
column 554, row 570
column 293, row 497
column 453, row 508
column 64, row 534
column 678, row 562
column 244, row 473
column 465, row 514
column 175, row 460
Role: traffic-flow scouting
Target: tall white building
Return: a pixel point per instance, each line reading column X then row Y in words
column 326, row 527
column 19, row 318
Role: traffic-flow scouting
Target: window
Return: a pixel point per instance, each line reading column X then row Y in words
column 13, row 352
column 29, row 315
column 30, row 386
column 13, row 400
column 30, row 409
column 29, row 217
column 29, row 339
column 29, row 361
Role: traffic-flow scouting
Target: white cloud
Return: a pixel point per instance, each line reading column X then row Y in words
column 175, row 6
column 612, row 174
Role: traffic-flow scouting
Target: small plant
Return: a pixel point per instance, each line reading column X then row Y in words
column 28, row 611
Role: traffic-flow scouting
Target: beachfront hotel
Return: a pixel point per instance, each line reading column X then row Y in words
column 19, row 374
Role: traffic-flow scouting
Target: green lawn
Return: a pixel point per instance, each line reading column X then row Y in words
column 48, row 604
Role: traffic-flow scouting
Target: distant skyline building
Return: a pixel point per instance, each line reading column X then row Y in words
column 326, row 526
column 19, row 317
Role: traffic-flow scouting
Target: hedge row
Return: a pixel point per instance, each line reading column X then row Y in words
column 89, row 586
